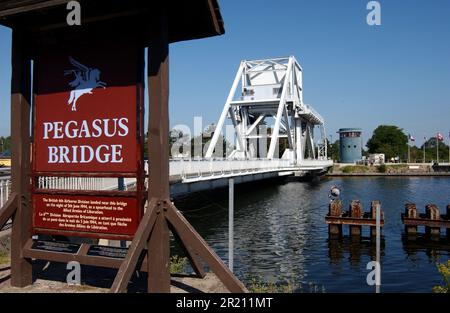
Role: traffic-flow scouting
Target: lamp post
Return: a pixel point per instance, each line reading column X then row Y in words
column 331, row 147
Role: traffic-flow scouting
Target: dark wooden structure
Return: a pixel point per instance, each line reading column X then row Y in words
column 432, row 220
column 355, row 218
column 153, row 24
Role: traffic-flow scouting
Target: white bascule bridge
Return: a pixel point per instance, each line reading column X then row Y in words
column 272, row 89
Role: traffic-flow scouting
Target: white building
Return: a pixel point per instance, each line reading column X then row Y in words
column 376, row 159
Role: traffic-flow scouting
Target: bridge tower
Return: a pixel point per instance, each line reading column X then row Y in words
column 265, row 89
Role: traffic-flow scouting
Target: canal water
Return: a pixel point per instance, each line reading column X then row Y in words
column 281, row 235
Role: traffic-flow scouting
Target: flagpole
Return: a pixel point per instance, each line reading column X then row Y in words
column 424, row 144
column 409, row 153
column 437, row 149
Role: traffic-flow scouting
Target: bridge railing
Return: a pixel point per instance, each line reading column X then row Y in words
column 5, row 190
column 181, row 168
column 219, row 167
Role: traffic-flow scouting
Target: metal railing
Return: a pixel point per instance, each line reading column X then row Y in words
column 221, row 167
column 73, row 183
column 186, row 169
column 5, row 190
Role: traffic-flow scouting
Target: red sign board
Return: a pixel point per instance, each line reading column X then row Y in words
column 86, row 109
column 88, row 116
column 88, row 214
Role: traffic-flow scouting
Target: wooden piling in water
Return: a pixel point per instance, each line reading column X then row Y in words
column 432, row 220
column 355, row 218
column 355, row 212
column 411, row 212
column 432, row 213
column 335, row 210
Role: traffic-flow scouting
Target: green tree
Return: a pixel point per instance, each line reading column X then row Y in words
column 431, row 153
column 5, row 143
column 333, row 150
column 146, row 146
column 390, row 140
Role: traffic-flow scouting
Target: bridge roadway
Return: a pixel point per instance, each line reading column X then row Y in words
column 196, row 175
column 187, row 176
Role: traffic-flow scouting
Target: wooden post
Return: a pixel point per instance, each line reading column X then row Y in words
column 158, row 147
column 432, row 213
column 21, row 268
column 158, row 254
column 7, row 211
column 448, row 217
column 335, row 209
column 411, row 212
column 356, row 212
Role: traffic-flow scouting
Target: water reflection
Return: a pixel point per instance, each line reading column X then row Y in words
column 352, row 249
column 281, row 234
column 434, row 248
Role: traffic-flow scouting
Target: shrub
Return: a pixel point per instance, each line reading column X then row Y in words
column 348, row 169
column 382, row 168
column 444, row 269
column 4, row 257
column 177, row 264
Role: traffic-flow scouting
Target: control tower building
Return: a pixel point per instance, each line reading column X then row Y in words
column 350, row 150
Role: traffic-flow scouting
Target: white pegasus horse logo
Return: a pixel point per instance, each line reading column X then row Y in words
column 86, row 80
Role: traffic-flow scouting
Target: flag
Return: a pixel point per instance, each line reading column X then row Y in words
column 411, row 138
column 440, row 137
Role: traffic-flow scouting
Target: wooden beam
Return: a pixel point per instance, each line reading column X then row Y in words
column 159, row 256
column 21, row 269
column 143, row 232
column 158, row 120
column 31, row 7
column 158, row 146
column 7, row 211
column 191, row 238
column 81, row 257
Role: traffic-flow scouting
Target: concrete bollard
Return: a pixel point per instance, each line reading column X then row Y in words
column 335, row 209
column 356, row 212
column 432, row 213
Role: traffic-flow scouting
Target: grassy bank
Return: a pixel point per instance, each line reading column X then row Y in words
column 4, row 258
column 384, row 170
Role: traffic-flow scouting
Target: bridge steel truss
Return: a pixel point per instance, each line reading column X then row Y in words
column 271, row 88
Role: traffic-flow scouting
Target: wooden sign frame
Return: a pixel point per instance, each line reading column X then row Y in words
column 151, row 239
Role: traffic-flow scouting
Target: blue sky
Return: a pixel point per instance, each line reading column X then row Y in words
column 354, row 75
